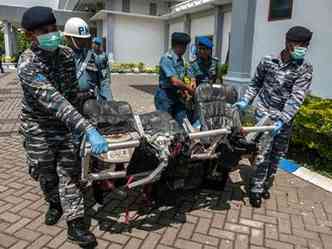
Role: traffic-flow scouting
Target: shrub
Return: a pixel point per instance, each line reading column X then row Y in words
column 312, row 131
column 9, row 59
column 140, row 67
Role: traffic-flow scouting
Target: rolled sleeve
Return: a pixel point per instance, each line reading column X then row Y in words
column 167, row 66
column 41, row 89
column 296, row 99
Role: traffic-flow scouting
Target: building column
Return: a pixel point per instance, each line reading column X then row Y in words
column 8, row 37
column 241, row 43
column 99, row 26
column 218, row 31
column 109, row 33
column 187, row 29
column 166, row 36
column 14, row 43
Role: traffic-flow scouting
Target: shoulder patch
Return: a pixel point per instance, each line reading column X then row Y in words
column 40, row 77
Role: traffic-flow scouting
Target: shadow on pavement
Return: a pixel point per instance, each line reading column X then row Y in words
column 150, row 89
column 153, row 217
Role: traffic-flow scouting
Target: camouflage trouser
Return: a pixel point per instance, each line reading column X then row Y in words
column 272, row 149
column 54, row 162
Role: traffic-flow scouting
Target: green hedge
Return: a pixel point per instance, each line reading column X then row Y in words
column 311, row 142
column 133, row 68
column 312, row 134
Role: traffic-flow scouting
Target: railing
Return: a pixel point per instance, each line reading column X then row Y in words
column 188, row 4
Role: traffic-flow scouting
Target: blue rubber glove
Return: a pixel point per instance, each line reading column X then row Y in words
column 241, row 105
column 98, row 143
column 278, row 126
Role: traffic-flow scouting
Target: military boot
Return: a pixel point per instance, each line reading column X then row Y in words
column 53, row 214
column 266, row 194
column 255, row 199
column 78, row 233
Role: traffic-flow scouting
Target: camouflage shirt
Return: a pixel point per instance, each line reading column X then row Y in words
column 204, row 72
column 49, row 92
column 280, row 87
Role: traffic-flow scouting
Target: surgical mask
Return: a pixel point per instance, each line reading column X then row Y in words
column 50, row 41
column 299, row 53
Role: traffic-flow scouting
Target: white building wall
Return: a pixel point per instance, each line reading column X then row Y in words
column 30, row 3
column 202, row 26
column 116, row 5
column 226, row 33
column 175, row 26
column 316, row 15
column 140, row 6
column 142, row 42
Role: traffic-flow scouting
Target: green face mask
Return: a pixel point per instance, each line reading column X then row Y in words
column 50, row 41
column 299, row 53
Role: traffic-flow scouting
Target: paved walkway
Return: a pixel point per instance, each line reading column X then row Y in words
column 298, row 216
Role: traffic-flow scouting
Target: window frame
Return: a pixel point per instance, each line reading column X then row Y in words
column 155, row 8
column 124, row 5
column 272, row 19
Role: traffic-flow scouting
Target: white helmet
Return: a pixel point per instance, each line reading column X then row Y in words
column 77, row 27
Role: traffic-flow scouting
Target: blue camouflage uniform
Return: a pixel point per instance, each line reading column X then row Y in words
column 49, row 117
column 280, row 89
column 104, row 91
column 204, row 72
column 166, row 96
column 88, row 79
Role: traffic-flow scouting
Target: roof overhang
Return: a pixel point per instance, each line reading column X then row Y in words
column 14, row 14
column 194, row 6
column 101, row 15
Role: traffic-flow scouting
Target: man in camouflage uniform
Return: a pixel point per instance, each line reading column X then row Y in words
column 88, row 71
column 171, row 79
column 205, row 69
column 103, row 62
column 48, row 79
column 280, row 84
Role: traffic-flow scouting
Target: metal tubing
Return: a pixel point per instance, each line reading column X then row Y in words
column 115, row 175
column 218, row 132
column 206, row 134
column 151, row 177
column 204, row 156
column 121, row 145
column 257, row 129
column 104, row 175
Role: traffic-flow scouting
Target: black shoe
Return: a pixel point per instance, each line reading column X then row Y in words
column 53, row 214
column 78, row 233
column 255, row 199
column 266, row 194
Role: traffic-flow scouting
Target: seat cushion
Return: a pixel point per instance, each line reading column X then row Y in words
column 110, row 117
column 160, row 122
column 213, row 105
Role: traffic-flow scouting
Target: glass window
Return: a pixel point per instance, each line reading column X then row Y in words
column 153, row 9
column 280, row 9
column 126, row 5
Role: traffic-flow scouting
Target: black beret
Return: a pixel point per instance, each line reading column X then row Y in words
column 181, row 38
column 36, row 17
column 299, row 34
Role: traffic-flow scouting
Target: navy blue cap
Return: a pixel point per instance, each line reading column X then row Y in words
column 205, row 41
column 299, row 34
column 181, row 38
column 36, row 17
